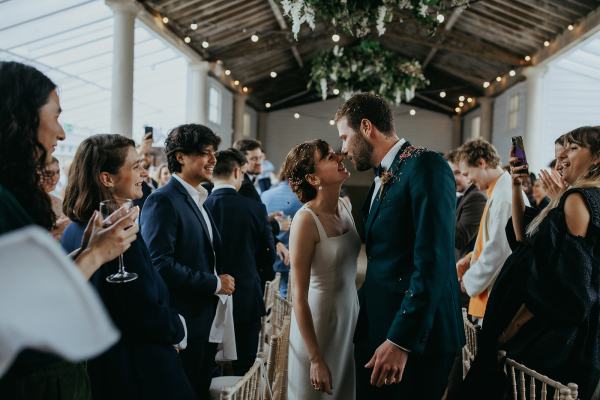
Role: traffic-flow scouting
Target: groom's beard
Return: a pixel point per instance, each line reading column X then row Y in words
column 361, row 153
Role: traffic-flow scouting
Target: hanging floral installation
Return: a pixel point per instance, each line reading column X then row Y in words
column 358, row 17
column 366, row 67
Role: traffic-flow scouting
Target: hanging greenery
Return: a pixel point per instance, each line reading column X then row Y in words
column 366, row 67
column 357, row 17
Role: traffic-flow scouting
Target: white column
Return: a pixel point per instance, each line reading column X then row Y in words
column 456, row 130
column 239, row 108
column 538, row 152
column 197, row 92
column 121, row 113
column 486, row 105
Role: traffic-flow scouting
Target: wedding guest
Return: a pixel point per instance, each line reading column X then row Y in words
column 477, row 271
column 185, row 245
column 162, row 175
column 148, row 184
column 281, row 198
column 50, row 177
column 144, row 363
column 29, row 133
column 470, row 203
column 544, row 309
column 540, row 197
column 246, row 242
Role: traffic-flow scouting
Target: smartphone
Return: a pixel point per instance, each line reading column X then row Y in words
column 517, row 142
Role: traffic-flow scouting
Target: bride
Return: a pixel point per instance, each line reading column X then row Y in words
column 324, row 247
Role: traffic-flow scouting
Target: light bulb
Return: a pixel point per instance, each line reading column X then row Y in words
column 254, row 38
column 461, row 104
column 442, row 94
column 267, row 105
column 486, row 85
column 331, row 122
column 440, row 18
column 527, row 58
column 457, row 109
column 498, row 78
column 236, row 82
column 187, row 39
column 193, row 26
column 296, row 115
column 469, row 100
column 205, row 44
column 412, row 112
column 546, row 43
column 336, row 91
column 461, row 98
column 165, row 20
column 512, row 72
column 570, row 27
column 227, row 72
column 245, row 89
column 273, row 74
column 335, row 37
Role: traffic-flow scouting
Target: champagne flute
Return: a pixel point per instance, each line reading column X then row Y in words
column 111, row 211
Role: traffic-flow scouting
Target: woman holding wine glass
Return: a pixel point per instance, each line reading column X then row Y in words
column 29, row 132
column 106, row 174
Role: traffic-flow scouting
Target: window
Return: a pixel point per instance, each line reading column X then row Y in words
column 214, row 105
column 475, row 127
column 513, row 111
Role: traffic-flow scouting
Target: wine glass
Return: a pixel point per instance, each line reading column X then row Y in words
column 119, row 208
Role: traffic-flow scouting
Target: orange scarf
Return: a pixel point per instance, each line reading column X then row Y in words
column 478, row 303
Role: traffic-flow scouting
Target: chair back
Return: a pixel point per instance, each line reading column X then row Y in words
column 271, row 289
column 527, row 384
column 248, row 387
column 470, row 349
column 281, row 308
column 277, row 363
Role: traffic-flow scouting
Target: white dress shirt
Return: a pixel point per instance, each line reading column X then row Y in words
column 199, row 196
column 223, row 186
column 386, row 163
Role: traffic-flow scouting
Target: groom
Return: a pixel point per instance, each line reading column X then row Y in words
column 409, row 327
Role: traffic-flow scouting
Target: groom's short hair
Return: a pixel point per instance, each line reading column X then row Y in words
column 367, row 106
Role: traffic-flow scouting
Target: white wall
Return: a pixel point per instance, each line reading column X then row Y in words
column 283, row 131
column 251, row 112
column 225, row 128
column 468, row 131
column 501, row 134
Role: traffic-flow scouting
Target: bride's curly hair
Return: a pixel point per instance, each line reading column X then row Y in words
column 24, row 91
column 300, row 162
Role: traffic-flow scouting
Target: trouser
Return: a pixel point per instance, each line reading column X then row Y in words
column 246, row 344
column 199, row 365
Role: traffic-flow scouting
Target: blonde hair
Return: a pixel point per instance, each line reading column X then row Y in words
column 588, row 137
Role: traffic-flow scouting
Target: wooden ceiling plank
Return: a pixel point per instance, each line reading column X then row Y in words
column 224, row 13
column 496, row 24
column 555, row 9
column 530, row 15
column 451, row 21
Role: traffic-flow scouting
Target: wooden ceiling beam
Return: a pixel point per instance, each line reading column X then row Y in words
column 553, row 9
column 283, row 26
column 476, row 27
column 447, row 27
column 523, row 18
column 224, row 14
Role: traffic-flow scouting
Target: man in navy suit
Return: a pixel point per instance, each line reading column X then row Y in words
column 185, row 245
column 247, row 243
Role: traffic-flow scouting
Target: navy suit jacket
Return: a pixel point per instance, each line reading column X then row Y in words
column 143, row 364
column 177, row 236
column 247, row 242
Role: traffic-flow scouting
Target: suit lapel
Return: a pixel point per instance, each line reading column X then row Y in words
column 367, row 204
column 195, row 209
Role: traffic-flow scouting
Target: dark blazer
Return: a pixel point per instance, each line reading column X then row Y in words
column 144, row 363
column 410, row 293
column 181, row 251
column 146, row 191
column 468, row 217
column 248, row 190
column 247, row 242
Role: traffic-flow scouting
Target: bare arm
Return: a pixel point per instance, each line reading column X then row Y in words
column 303, row 238
column 518, row 205
column 577, row 215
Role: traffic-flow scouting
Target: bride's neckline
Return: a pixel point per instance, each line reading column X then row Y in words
column 323, row 227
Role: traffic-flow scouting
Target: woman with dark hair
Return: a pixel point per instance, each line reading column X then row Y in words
column 544, row 308
column 324, row 248
column 144, row 363
column 29, row 132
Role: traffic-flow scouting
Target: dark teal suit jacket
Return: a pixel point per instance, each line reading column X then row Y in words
column 411, row 295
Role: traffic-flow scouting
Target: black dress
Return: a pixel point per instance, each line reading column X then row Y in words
column 557, row 276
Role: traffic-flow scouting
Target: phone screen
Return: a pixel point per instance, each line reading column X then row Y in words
column 519, row 151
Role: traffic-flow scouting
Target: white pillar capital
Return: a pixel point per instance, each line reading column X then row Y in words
column 124, row 6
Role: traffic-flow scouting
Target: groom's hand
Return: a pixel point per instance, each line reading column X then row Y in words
column 388, row 364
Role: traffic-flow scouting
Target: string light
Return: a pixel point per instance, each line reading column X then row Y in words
column 461, row 98
column 267, row 105
column 336, row 91
column 570, row 27
column 273, row 74
column 412, row 112
column 254, row 38
column 512, row 72
column 486, row 85
column 498, row 78
column 546, row 43
column 461, row 104
column 442, row 94
column 165, row 20
column 335, row 37
column 331, row 122
column 205, row 44
column 236, row 82
column 527, row 58
column 193, row 26
column 187, row 39
column 469, row 100
column 245, row 89
column 457, row 109
column 227, row 72
column 296, row 115
column 440, row 18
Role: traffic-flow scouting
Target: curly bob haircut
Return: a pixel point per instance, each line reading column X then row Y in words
column 300, row 162
column 188, row 139
column 24, row 91
column 479, row 149
column 367, row 106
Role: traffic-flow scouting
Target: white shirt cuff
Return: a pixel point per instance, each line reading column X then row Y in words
column 218, row 289
column 400, row 347
column 183, row 344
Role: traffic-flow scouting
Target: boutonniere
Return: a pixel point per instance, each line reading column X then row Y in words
column 386, row 178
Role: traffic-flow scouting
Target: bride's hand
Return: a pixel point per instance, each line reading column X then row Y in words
column 320, row 376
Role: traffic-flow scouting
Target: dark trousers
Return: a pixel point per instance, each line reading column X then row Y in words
column 424, row 378
column 246, row 343
column 199, row 365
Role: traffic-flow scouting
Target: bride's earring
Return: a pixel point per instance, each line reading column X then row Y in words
column 320, row 187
